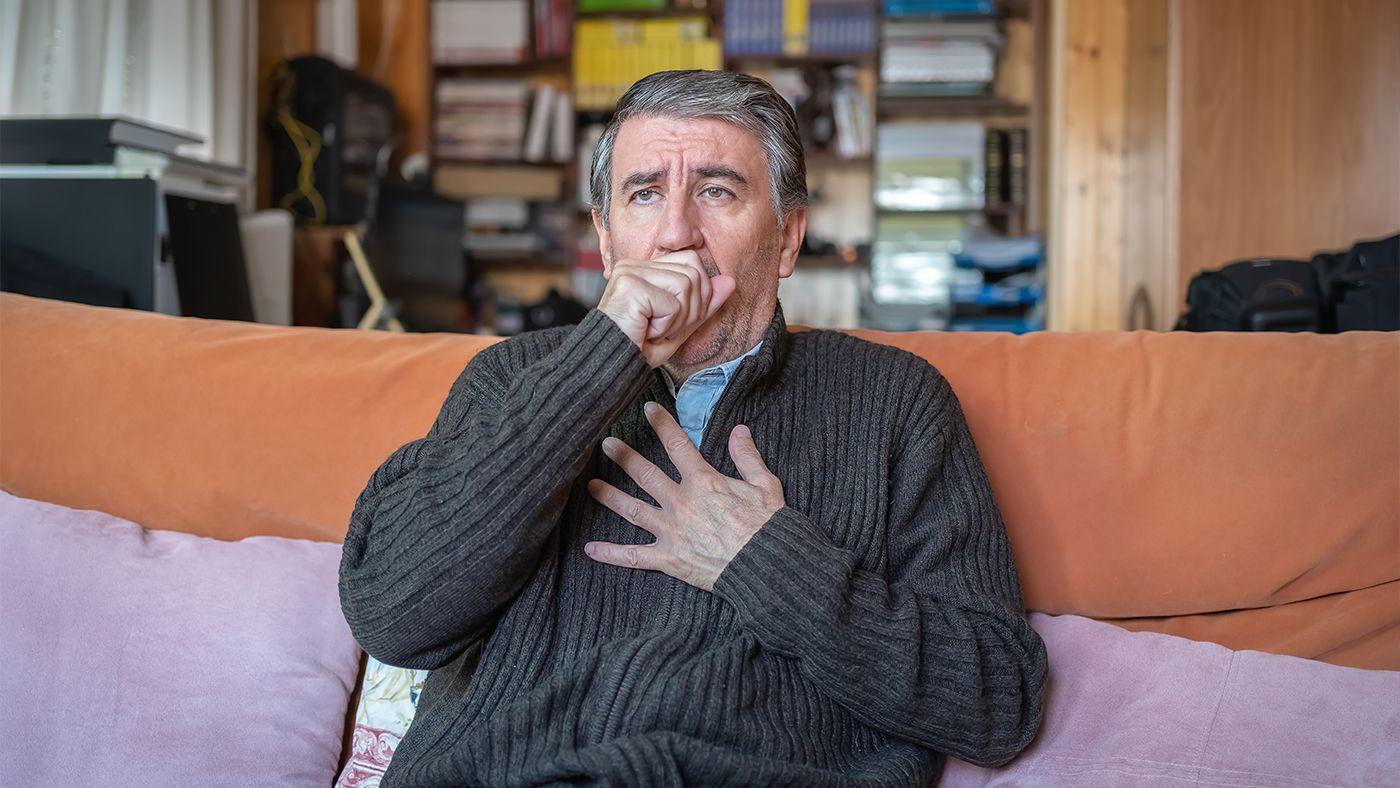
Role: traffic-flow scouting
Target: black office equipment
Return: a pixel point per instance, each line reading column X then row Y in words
column 328, row 126
column 206, row 247
column 97, row 218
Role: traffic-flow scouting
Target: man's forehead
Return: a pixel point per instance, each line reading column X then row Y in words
column 651, row 144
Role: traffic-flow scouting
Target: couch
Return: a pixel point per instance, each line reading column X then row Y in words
column 1226, row 491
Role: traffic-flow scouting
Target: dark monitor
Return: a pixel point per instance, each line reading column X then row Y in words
column 206, row 247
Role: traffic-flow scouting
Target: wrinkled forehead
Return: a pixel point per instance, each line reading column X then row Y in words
column 673, row 145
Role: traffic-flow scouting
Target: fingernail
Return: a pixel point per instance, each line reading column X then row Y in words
column 609, row 443
column 743, row 431
column 649, row 407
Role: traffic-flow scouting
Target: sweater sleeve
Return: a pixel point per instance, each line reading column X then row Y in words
column 451, row 525
column 936, row 650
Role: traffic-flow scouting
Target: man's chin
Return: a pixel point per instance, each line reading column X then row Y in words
column 698, row 347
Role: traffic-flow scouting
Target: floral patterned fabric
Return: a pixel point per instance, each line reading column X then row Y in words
column 388, row 701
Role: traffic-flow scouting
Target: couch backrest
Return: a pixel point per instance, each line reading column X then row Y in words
column 1240, row 488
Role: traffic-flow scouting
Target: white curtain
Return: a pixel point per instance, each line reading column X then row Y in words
column 158, row 61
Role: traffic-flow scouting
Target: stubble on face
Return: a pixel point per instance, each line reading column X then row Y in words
column 736, row 327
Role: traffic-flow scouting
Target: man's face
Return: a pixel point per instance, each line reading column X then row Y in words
column 702, row 185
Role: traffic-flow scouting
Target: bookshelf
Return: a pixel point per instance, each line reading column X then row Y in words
column 847, row 219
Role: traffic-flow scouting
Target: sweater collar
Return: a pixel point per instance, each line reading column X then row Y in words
column 757, row 369
column 764, row 367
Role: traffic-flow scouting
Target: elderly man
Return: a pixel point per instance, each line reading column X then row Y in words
column 676, row 545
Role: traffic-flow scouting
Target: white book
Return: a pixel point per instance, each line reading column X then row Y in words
column 563, row 135
column 537, row 137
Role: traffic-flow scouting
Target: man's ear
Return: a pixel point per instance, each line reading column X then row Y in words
column 603, row 245
column 793, row 232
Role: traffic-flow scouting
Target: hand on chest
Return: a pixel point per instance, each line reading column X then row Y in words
column 695, row 512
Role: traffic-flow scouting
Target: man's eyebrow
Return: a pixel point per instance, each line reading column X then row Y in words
column 642, row 179
column 720, row 171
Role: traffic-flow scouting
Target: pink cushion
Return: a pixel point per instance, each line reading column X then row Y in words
column 1144, row 709
column 155, row 658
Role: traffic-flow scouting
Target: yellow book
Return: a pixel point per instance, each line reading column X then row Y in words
column 795, row 27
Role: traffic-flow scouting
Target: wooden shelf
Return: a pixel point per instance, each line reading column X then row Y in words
column 788, row 61
column 901, row 107
column 553, row 65
column 499, row 162
column 829, row 159
column 505, row 264
column 1006, row 9
column 648, row 13
column 929, row 211
column 826, row 261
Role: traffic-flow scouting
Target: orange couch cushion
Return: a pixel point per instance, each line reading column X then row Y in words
column 1240, row 488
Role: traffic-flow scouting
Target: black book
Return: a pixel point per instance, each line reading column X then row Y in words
column 995, row 168
column 57, row 141
column 1016, row 150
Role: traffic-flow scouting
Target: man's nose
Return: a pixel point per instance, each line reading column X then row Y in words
column 679, row 228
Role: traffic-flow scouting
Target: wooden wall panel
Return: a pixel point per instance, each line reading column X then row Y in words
column 395, row 51
column 286, row 29
column 1109, row 164
column 1289, row 127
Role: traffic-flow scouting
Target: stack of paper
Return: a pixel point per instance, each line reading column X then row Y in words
column 940, row 54
column 480, row 31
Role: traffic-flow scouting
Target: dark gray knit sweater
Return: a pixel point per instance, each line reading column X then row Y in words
column 872, row 624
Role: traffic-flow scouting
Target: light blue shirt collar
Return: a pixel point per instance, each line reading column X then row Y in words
column 698, row 395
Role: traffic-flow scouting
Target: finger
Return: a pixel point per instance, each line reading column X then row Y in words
column 682, row 452
column 689, row 289
column 689, row 261
column 676, row 280
column 645, row 473
column 721, row 287
column 747, row 460
column 633, row 556
column 655, row 306
column 639, row 513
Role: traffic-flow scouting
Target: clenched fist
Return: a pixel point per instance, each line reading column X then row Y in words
column 659, row 303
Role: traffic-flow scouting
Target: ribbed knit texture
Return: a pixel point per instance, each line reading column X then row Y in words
column 870, row 625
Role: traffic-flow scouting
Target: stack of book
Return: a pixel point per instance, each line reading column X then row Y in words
column 1005, row 165
column 513, row 229
column 480, row 31
column 554, row 28
column 597, row 6
column 940, row 7
column 939, row 58
column 841, row 27
column 480, row 118
column 550, row 135
column 798, row 28
column 611, row 54
column 998, row 284
column 498, row 227
column 850, row 109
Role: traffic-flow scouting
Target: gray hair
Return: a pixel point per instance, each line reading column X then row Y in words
column 743, row 100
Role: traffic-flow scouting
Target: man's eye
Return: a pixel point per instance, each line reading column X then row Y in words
column 716, row 193
column 644, row 196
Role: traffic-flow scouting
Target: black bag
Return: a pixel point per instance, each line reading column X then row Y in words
column 1358, row 289
column 1362, row 286
column 1255, row 295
